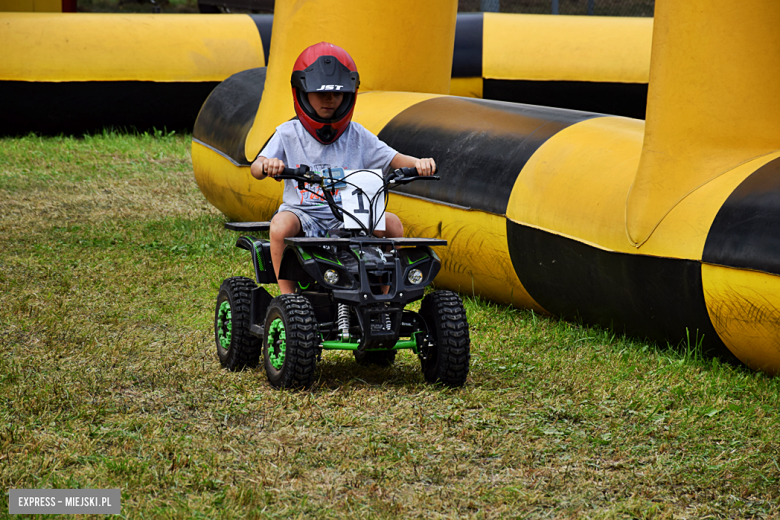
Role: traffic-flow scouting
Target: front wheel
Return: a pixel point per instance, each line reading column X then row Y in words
column 290, row 342
column 445, row 357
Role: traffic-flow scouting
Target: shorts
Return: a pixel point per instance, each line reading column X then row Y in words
column 312, row 226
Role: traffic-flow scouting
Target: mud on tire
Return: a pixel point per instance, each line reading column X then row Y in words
column 236, row 347
column 445, row 359
column 291, row 342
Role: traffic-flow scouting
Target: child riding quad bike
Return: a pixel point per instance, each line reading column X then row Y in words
column 351, row 292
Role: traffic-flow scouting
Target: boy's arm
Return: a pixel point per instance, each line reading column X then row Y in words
column 424, row 167
column 263, row 167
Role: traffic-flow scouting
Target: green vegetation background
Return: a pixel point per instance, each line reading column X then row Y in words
column 110, row 262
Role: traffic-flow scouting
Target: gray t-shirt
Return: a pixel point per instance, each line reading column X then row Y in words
column 356, row 148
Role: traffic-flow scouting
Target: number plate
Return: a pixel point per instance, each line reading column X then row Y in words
column 356, row 198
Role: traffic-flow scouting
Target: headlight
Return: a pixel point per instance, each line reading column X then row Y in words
column 331, row 276
column 415, row 276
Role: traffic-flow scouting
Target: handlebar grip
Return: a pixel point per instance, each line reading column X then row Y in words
column 301, row 170
column 301, row 174
column 407, row 175
column 413, row 173
column 287, row 172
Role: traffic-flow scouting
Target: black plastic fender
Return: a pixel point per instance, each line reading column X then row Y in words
column 261, row 258
column 294, row 266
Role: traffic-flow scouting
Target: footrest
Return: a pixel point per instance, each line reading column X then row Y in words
column 248, row 226
column 257, row 330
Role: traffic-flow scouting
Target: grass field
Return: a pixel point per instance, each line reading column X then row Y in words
column 110, row 263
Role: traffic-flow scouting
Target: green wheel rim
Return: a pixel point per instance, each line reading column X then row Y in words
column 224, row 325
column 277, row 344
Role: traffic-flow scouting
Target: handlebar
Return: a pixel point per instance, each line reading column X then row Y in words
column 294, row 172
column 304, row 176
column 300, row 174
column 399, row 176
column 407, row 175
column 408, row 172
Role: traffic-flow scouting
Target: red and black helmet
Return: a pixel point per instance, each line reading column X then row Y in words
column 325, row 67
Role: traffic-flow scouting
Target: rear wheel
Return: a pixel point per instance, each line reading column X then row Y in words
column 383, row 358
column 445, row 356
column 236, row 347
column 290, row 342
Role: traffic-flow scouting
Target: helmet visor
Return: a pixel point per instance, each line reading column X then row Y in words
column 326, row 74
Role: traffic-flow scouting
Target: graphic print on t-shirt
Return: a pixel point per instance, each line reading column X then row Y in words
column 312, row 195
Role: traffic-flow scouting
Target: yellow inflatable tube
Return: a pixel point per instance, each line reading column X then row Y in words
column 593, row 63
column 79, row 72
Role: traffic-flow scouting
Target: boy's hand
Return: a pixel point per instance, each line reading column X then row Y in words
column 264, row 166
column 272, row 167
column 425, row 167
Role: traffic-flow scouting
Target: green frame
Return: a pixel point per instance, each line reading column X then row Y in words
column 403, row 344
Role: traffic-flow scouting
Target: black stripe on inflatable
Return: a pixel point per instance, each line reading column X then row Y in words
column 480, row 146
column 264, row 23
column 745, row 233
column 467, row 57
column 229, row 113
column 78, row 107
column 620, row 99
column 643, row 296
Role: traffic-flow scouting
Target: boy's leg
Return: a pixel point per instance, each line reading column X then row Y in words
column 284, row 225
column 393, row 227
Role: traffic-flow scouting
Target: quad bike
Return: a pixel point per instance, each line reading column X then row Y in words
column 351, row 292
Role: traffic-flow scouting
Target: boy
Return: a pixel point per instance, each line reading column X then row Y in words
column 324, row 86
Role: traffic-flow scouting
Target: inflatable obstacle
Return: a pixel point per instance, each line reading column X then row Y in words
column 664, row 229
column 593, row 63
column 75, row 73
